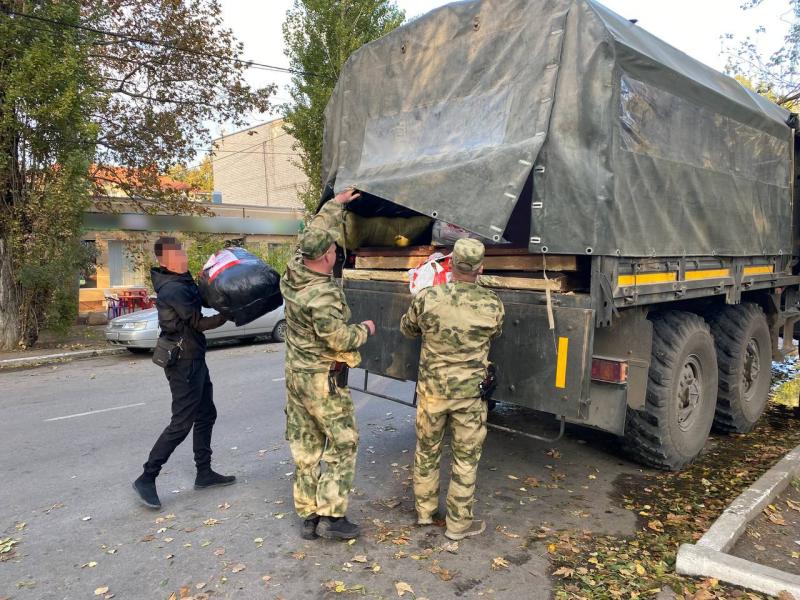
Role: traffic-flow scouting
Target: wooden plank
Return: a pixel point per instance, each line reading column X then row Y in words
column 428, row 250
column 526, row 262
column 555, row 284
column 369, row 275
column 408, row 251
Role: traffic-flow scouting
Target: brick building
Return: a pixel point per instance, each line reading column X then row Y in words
column 256, row 167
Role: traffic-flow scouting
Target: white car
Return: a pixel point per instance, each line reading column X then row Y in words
column 138, row 331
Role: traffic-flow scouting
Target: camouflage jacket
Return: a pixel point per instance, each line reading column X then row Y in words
column 457, row 322
column 317, row 313
column 331, row 218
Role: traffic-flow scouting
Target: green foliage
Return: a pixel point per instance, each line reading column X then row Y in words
column 776, row 76
column 160, row 98
column 199, row 247
column 278, row 256
column 46, row 144
column 80, row 109
column 319, row 36
column 201, row 177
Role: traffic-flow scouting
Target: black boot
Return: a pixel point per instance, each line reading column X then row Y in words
column 310, row 527
column 337, row 528
column 207, row 478
column 145, row 487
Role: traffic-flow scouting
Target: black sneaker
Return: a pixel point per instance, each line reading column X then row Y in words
column 146, row 492
column 310, row 527
column 337, row 528
column 209, row 478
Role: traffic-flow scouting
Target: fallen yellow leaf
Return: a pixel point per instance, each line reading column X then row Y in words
column 499, row 563
column 402, row 587
column 776, row 518
column 656, row 526
column 101, row 590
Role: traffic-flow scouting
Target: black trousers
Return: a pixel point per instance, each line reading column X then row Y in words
column 192, row 408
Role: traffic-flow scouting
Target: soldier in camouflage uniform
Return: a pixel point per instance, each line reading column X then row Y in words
column 320, row 418
column 457, row 322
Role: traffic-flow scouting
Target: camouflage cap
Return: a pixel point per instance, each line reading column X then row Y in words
column 315, row 242
column 467, row 255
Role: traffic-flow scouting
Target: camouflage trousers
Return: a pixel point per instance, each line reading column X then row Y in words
column 320, row 428
column 467, row 420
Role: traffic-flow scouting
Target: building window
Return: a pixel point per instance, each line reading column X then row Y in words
column 122, row 268
column 88, row 278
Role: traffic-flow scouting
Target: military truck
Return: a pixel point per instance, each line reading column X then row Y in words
column 639, row 210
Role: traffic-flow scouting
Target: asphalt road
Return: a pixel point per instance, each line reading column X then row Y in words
column 73, row 437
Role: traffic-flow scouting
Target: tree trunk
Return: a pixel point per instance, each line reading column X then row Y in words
column 10, row 325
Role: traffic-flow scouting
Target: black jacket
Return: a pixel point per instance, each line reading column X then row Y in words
column 179, row 311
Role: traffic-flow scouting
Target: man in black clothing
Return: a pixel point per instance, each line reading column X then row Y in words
column 181, row 319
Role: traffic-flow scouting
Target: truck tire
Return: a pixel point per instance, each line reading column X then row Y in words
column 673, row 427
column 744, row 355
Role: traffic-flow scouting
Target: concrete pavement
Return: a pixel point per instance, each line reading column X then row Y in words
column 73, row 436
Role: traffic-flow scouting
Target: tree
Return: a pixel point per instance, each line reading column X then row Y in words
column 46, row 145
column 319, row 36
column 170, row 68
column 776, row 76
column 93, row 92
column 201, row 177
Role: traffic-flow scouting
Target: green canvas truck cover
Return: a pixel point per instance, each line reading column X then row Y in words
column 635, row 149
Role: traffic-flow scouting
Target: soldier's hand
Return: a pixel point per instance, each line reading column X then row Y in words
column 370, row 325
column 347, row 195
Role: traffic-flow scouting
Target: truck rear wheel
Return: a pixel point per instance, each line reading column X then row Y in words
column 673, row 427
column 744, row 354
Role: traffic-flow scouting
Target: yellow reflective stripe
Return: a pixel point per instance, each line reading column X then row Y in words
column 707, row 274
column 561, row 362
column 643, row 278
column 762, row 270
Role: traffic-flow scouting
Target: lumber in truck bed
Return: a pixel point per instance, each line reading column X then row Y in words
column 557, row 283
column 504, row 268
column 497, row 259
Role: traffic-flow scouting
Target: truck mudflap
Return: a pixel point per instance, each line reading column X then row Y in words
column 539, row 368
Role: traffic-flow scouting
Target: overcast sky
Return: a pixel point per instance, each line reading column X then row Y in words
column 694, row 26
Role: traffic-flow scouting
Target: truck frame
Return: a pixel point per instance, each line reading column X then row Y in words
column 670, row 188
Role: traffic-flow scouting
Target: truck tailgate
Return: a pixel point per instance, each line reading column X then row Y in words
column 537, row 368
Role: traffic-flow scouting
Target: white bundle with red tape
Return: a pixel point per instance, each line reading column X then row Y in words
column 434, row 270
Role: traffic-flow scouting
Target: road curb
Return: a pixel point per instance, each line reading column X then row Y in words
column 47, row 359
column 708, row 558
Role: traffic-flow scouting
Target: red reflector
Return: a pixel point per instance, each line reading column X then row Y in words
column 611, row 371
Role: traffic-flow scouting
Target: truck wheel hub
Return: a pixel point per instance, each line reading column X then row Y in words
column 689, row 386
column 752, row 367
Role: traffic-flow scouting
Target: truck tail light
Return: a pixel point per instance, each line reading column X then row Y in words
column 611, row 371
